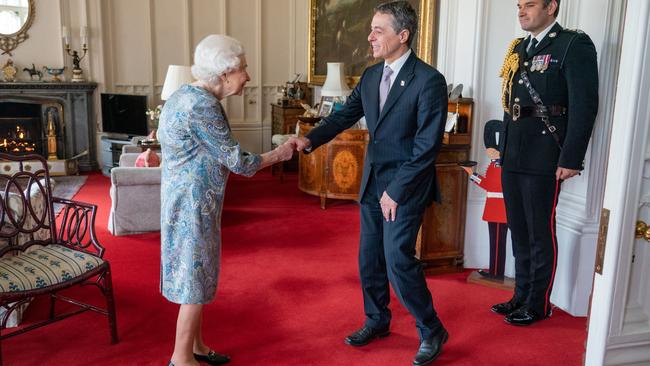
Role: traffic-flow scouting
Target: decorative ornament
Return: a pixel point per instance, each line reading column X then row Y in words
column 508, row 71
column 9, row 71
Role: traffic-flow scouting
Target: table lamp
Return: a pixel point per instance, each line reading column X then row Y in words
column 335, row 89
column 177, row 75
column 335, row 85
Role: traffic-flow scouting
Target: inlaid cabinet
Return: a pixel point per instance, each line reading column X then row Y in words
column 334, row 170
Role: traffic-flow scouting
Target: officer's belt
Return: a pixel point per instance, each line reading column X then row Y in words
column 538, row 111
column 540, row 107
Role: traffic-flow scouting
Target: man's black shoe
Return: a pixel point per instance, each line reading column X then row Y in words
column 212, row 358
column 366, row 335
column 508, row 307
column 524, row 316
column 430, row 349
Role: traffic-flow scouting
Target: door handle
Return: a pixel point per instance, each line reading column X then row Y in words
column 642, row 230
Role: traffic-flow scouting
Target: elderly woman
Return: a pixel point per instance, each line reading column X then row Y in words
column 198, row 153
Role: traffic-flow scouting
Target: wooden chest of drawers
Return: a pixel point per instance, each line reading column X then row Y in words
column 441, row 241
column 284, row 119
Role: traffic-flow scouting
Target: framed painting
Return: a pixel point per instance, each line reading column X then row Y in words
column 338, row 32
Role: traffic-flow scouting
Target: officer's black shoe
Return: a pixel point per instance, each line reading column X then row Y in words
column 525, row 316
column 430, row 349
column 508, row 307
column 366, row 335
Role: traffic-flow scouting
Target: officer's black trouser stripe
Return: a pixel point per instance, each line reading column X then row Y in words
column 530, row 208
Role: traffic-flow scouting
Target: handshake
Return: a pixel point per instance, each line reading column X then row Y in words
column 285, row 151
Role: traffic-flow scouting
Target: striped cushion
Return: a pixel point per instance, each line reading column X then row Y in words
column 43, row 267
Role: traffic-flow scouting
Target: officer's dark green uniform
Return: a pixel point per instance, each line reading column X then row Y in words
column 562, row 69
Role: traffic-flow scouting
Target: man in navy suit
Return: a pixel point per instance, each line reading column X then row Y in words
column 404, row 101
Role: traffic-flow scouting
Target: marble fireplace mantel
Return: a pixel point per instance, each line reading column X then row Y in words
column 77, row 102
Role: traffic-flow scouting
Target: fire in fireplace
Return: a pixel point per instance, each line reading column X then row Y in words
column 26, row 126
column 18, row 142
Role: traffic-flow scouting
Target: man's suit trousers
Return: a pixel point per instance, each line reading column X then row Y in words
column 387, row 254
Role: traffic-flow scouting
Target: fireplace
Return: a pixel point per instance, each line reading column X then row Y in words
column 54, row 120
column 31, row 126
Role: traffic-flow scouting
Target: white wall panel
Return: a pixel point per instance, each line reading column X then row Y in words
column 242, row 24
column 300, row 17
column 277, row 46
column 169, row 37
column 207, row 17
column 131, row 42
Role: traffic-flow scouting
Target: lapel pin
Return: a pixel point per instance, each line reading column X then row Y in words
column 401, row 83
column 552, row 35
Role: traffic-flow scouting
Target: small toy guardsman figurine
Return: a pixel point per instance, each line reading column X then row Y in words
column 495, row 209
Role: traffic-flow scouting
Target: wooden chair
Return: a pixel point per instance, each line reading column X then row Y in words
column 41, row 254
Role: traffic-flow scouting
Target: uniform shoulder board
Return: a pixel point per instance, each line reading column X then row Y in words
column 515, row 42
column 575, row 30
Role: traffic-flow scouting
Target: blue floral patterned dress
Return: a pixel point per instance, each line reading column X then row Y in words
column 198, row 153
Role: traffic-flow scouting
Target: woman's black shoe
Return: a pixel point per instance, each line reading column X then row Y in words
column 212, row 358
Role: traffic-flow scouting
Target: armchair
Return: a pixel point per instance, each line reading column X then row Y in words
column 49, row 257
column 135, row 198
column 133, row 147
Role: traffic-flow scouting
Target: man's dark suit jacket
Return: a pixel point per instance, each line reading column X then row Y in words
column 404, row 138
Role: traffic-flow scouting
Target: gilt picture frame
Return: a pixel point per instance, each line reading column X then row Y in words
column 338, row 32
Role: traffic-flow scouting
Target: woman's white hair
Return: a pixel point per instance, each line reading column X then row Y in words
column 214, row 56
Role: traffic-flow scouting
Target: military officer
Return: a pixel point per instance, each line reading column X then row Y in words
column 550, row 98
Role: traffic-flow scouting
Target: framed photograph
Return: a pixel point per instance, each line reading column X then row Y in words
column 338, row 32
column 326, row 106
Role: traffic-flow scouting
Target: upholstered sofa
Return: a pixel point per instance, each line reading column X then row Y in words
column 135, row 198
column 133, row 147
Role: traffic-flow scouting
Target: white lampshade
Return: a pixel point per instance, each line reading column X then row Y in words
column 335, row 85
column 177, row 75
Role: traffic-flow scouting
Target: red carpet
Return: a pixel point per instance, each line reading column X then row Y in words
column 288, row 294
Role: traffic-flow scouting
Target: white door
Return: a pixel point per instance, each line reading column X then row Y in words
column 619, row 326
